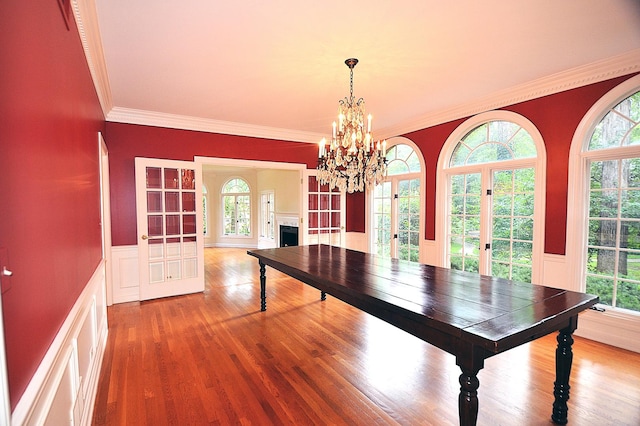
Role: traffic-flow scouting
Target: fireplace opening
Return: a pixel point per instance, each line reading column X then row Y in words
column 288, row 235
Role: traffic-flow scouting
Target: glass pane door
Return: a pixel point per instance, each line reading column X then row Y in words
column 325, row 214
column 382, row 231
column 491, row 223
column 512, row 204
column 170, row 260
column 408, row 242
column 464, row 222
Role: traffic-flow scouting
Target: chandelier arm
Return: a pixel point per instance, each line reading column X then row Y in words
column 353, row 159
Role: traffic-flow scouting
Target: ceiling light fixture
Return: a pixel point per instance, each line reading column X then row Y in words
column 352, row 160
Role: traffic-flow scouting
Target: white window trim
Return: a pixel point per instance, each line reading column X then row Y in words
column 261, row 213
column 411, row 175
column 539, row 163
column 221, row 197
column 614, row 326
column 577, row 209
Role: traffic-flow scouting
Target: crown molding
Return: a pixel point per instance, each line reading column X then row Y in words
column 86, row 17
column 613, row 67
column 173, row 121
column 87, row 21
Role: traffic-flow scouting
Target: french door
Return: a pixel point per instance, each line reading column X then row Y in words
column 170, row 233
column 323, row 213
column 396, row 218
column 490, row 222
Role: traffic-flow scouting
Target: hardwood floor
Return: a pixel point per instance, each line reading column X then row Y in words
column 214, row 358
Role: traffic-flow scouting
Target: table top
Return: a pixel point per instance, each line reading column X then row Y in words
column 440, row 305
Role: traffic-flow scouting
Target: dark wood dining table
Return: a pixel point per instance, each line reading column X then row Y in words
column 468, row 315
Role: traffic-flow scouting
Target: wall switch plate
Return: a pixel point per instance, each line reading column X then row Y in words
column 5, row 280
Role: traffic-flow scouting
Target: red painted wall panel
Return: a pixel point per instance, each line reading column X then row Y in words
column 556, row 117
column 127, row 141
column 49, row 179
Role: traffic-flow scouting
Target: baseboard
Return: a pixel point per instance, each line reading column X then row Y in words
column 63, row 389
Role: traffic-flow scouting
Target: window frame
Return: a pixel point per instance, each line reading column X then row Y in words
column 580, row 159
column 445, row 171
column 370, row 225
column 235, row 195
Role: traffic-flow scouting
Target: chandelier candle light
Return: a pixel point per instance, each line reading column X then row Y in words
column 352, row 159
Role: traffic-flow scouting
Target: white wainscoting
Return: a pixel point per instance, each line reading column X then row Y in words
column 63, row 389
column 356, row 241
column 555, row 272
column 125, row 282
column 610, row 327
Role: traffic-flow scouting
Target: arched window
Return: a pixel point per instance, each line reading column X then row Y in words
column 236, row 208
column 492, row 186
column 397, row 204
column 607, row 166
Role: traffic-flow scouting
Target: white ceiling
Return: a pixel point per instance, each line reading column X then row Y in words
column 278, row 66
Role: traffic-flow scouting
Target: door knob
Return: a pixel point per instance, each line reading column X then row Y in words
column 6, row 272
column 144, row 237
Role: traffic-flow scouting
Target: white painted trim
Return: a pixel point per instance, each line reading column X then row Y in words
column 87, row 21
column 71, row 344
column 5, row 406
column 125, row 283
column 356, row 241
column 428, row 252
column 251, row 164
column 86, row 17
column 615, row 327
column 555, row 272
column 105, row 213
column 539, row 163
column 617, row 66
column 612, row 328
column 173, row 121
column 369, row 221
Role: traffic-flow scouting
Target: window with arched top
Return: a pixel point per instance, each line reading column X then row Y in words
column 397, row 204
column 494, row 141
column 493, row 178
column 236, row 208
column 608, row 222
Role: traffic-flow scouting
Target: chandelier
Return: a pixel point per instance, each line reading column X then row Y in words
column 351, row 159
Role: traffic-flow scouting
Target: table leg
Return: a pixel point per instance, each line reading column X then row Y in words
column 263, row 287
column 468, row 398
column 323, row 296
column 564, row 359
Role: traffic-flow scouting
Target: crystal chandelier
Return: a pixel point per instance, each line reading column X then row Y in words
column 352, row 159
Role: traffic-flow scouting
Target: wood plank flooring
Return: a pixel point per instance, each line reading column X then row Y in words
column 214, row 358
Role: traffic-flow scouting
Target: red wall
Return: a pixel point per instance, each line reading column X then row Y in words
column 127, row 141
column 49, row 179
column 556, row 117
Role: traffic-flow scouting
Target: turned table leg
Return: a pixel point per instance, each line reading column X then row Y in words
column 468, row 398
column 323, row 296
column 564, row 359
column 263, row 287
column 470, row 359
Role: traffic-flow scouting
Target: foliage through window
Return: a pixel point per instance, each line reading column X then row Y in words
column 236, row 205
column 491, row 201
column 612, row 267
column 396, row 205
